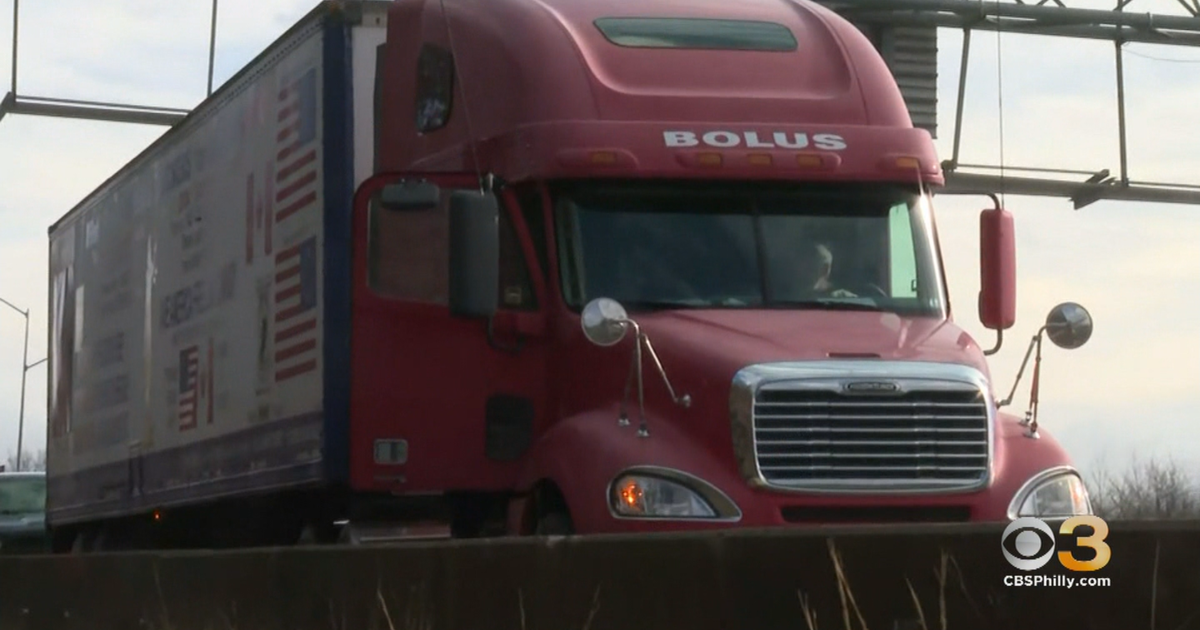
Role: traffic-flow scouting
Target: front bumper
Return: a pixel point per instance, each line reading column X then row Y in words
column 735, row 505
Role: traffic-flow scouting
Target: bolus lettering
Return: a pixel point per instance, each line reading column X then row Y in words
column 797, row 141
column 829, row 141
column 680, row 138
column 723, row 139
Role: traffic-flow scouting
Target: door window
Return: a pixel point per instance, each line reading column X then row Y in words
column 408, row 257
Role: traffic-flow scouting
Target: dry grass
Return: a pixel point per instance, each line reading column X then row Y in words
column 849, row 606
column 1146, row 490
column 419, row 617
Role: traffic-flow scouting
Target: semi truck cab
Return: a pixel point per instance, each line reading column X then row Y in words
column 654, row 267
column 518, row 267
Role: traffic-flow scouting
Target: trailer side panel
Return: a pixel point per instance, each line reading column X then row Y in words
column 192, row 312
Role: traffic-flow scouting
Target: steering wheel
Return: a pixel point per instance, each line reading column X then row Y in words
column 874, row 290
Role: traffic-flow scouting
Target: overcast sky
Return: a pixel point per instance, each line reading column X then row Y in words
column 1131, row 390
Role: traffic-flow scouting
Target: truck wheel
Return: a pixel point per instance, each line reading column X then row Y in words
column 84, row 541
column 317, row 533
column 307, row 536
column 554, row 524
column 348, row 535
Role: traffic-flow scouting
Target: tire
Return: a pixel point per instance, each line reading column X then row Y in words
column 554, row 524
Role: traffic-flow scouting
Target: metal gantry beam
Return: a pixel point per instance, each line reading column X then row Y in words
column 13, row 102
column 1080, row 193
column 89, row 110
column 1051, row 20
column 1015, row 16
column 16, row 17
column 212, row 47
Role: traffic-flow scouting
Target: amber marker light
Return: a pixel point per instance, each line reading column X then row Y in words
column 809, row 161
column 760, row 159
column 604, row 157
column 632, row 495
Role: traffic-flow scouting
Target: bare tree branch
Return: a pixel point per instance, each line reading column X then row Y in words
column 1150, row 489
column 29, row 461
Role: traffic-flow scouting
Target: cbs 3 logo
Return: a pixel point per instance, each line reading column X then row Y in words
column 1028, row 543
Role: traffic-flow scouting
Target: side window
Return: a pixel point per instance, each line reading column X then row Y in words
column 902, row 253
column 407, row 253
column 435, row 88
column 407, row 257
column 570, row 264
column 516, row 283
column 529, row 196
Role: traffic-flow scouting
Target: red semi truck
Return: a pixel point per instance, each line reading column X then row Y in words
column 514, row 267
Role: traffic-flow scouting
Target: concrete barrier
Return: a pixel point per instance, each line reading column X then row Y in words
column 892, row 578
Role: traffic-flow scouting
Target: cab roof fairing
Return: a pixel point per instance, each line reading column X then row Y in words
column 556, row 70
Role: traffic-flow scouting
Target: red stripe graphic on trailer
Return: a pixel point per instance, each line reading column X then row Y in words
column 296, row 147
column 189, row 386
column 296, row 310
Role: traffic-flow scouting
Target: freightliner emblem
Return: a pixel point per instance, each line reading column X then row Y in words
column 872, row 387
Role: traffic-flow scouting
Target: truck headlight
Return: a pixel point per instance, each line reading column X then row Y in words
column 663, row 493
column 1058, row 492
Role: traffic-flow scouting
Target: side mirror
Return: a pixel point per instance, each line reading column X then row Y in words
column 997, row 269
column 1069, row 325
column 474, row 254
column 603, row 320
column 409, row 196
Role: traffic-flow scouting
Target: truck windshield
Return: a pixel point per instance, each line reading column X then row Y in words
column 22, row 495
column 748, row 245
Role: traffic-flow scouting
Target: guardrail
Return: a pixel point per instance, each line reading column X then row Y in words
column 881, row 578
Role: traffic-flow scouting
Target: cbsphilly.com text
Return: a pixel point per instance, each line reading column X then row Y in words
column 1061, row 581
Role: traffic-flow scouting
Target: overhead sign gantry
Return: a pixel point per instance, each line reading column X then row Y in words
column 13, row 102
column 905, row 31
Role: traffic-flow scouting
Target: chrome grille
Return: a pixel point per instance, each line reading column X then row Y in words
column 821, row 437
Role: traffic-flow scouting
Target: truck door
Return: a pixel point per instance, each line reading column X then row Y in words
column 441, row 401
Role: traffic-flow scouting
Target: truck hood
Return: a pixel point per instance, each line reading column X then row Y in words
column 735, row 338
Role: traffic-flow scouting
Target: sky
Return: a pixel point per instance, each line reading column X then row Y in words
column 1130, row 392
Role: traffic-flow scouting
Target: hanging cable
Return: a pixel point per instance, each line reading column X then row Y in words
column 485, row 183
column 1000, row 104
